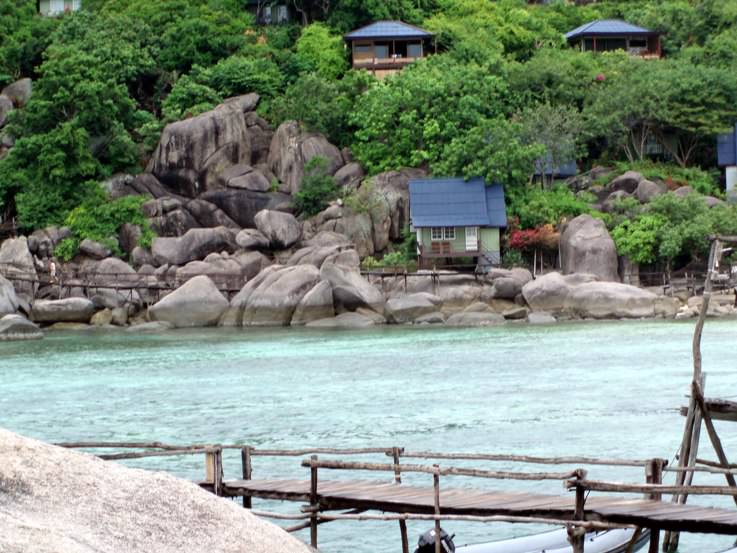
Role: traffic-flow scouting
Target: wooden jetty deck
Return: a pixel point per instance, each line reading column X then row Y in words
column 400, row 498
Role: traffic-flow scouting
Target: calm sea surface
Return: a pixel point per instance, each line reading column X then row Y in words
column 603, row 389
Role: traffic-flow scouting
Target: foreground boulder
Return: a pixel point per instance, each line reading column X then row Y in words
column 350, row 290
column 15, row 327
column 586, row 247
column 16, row 260
column 62, row 501
column 273, row 301
column 344, row 320
column 69, row 310
column 610, row 300
column 405, row 309
column 196, row 303
column 8, row 299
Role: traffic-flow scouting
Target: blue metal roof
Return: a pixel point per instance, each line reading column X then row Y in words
column 727, row 148
column 608, row 27
column 454, row 202
column 388, row 29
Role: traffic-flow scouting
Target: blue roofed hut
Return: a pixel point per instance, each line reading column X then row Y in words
column 457, row 218
column 727, row 157
column 385, row 47
column 605, row 35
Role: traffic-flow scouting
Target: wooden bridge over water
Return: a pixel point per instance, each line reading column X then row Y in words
column 328, row 499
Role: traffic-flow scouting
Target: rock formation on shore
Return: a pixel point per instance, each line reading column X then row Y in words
column 54, row 500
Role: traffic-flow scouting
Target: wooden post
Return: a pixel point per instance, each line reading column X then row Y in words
column 247, row 472
column 436, row 488
column 313, row 501
column 214, row 469
column 654, row 475
column 577, row 535
column 398, row 480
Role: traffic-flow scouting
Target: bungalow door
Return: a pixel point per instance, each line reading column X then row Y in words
column 472, row 239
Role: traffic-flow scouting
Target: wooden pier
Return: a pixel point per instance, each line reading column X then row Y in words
column 588, row 505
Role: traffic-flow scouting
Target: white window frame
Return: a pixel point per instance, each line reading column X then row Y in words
column 440, row 234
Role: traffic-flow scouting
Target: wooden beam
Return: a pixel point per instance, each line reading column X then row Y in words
column 436, row 495
column 247, row 472
column 313, row 501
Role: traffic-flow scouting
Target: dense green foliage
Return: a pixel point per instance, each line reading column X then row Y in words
column 101, row 222
column 503, row 93
column 318, row 188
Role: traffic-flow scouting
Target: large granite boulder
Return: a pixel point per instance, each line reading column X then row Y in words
column 8, row 299
column 251, row 239
column 243, row 205
column 610, row 300
column 390, row 215
column 19, row 92
column 586, row 247
column 69, row 310
column 15, row 327
column 43, row 242
column 350, row 289
column 344, row 320
column 233, row 316
column 508, row 283
column 292, row 148
column 281, row 229
column 196, row 303
column 349, row 176
column 313, row 255
column 209, row 215
column 405, row 309
column 94, row 250
column 114, row 284
column 6, row 106
column 64, row 501
column 193, row 152
column 315, row 305
column 16, row 261
column 244, row 176
column 475, row 318
column 274, row 300
column 647, row 190
column 549, row 292
column 627, row 182
column 194, row 245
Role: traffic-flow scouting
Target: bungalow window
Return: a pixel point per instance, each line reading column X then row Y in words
column 442, row 233
column 638, row 43
column 381, row 51
column 414, row 50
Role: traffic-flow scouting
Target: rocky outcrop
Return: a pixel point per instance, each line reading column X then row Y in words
column 647, row 190
column 62, row 501
column 251, row 239
column 8, row 299
column 315, row 305
column 69, row 310
column 475, row 318
column 405, row 309
column 16, row 260
column 6, row 106
column 94, row 250
column 282, row 230
column 349, row 176
column 292, row 149
column 350, row 290
column 627, row 182
column 194, row 245
column 245, row 177
column 15, row 327
column 193, row 152
column 508, row 283
column 196, row 303
column 550, row 291
column 610, row 300
column 273, row 301
column 344, row 320
column 19, row 92
column 43, row 242
column 110, row 277
column 242, row 205
column 586, row 247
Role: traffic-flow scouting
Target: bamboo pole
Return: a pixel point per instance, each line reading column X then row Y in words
column 313, row 501
column 436, row 489
column 526, row 459
column 398, row 480
column 247, row 473
column 449, row 471
column 621, row 487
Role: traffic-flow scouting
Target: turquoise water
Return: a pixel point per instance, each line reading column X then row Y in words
column 602, row 389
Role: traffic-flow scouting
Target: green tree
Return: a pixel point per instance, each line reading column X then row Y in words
column 318, row 188
column 322, row 51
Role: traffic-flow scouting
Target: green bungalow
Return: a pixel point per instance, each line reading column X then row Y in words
column 456, row 218
column 58, row 7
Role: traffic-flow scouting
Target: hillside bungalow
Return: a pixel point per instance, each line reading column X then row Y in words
column 385, row 47
column 58, row 7
column 727, row 158
column 605, row 35
column 456, row 218
column 270, row 12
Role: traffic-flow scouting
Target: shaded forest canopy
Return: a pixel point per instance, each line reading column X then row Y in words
column 504, row 90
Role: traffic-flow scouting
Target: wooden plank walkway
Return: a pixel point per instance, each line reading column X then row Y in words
column 394, row 498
